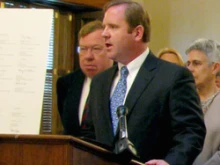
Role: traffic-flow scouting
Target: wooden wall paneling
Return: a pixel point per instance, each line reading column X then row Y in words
column 56, row 121
column 94, row 3
column 65, row 43
column 64, row 57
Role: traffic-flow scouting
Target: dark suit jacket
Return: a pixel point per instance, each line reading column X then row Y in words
column 69, row 89
column 165, row 119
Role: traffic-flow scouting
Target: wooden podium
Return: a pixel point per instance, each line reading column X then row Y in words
column 54, row 150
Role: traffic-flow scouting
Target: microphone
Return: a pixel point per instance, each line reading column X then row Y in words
column 122, row 121
column 123, row 146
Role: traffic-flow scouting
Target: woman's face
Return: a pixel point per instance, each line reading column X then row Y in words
column 198, row 64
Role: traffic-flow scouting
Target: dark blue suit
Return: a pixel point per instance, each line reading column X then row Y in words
column 165, row 120
column 69, row 89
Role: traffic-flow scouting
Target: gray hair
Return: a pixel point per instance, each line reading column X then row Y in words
column 210, row 47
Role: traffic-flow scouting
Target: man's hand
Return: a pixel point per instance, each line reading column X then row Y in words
column 156, row 162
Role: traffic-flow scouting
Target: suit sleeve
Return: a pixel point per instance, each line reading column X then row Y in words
column 187, row 121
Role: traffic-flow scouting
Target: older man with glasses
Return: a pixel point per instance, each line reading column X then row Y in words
column 73, row 88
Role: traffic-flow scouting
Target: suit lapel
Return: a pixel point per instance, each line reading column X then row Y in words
column 143, row 78
column 105, row 96
column 74, row 95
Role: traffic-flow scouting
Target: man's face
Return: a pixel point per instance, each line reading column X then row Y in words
column 92, row 56
column 199, row 65
column 119, row 43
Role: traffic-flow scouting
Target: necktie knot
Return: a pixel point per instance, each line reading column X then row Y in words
column 124, row 72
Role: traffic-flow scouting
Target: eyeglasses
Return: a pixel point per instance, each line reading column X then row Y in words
column 96, row 50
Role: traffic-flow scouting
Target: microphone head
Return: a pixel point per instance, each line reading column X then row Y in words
column 122, row 110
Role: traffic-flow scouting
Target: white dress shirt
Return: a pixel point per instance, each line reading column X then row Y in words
column 84, row 96
column 133, row 68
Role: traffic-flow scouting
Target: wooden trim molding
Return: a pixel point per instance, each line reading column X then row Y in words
column 94, row 3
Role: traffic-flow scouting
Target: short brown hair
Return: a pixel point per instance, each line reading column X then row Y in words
column 134, row 16
column 89, row 28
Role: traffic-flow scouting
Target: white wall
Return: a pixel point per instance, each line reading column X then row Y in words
column 177, row 23
column 193, row 19
column 159, row 11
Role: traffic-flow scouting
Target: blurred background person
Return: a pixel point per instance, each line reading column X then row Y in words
column 217, row 80
column 171, row 55
column 204, row 61
column 73, row 88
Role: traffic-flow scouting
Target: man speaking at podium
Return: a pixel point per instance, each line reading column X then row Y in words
column 164, row 119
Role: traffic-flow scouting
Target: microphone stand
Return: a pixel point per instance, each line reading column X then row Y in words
column 123, row 146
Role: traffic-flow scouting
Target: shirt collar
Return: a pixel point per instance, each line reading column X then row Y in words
column 137, row 62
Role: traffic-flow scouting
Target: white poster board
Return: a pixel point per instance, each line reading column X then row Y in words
column 24, row 46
